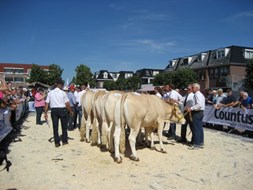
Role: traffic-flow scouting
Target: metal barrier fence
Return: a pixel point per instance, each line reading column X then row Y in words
column 5, row 114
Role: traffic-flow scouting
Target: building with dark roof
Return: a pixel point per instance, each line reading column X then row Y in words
column 148, row 75
column 222, row 67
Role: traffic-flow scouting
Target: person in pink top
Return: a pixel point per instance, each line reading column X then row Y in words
column 39, row 104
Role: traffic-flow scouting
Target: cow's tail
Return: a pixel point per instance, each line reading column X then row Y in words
column 122, row 123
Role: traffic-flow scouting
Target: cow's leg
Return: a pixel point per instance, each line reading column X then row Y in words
column 160, row 136
column 132, row 140
column 94, row 134
column 117, row 132
column 88, row 127
column 82, row 129
column 110, row 132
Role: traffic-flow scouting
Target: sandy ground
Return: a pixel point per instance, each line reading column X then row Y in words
column 226, row 162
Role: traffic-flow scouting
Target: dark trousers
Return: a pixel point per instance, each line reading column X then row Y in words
column 71, row 119
column 39, row 111
column 198, row 131
column 172, row 130
column 184, row 128
column 79, row 113
column 56, row 114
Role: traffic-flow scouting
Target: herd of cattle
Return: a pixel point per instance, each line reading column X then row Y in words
column 109, row 113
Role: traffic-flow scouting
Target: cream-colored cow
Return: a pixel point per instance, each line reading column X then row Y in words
column 108, row 118
column 140, row 110
column 98, row 109
column 87, row 115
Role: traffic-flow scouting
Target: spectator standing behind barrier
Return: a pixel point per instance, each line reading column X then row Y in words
column 228, row 101
column 79, row 101
column 187, row 102
column 175, row 98
column 39, row 104
column 238, row 102
column 58, row 101
column 197, row 115
column 247, row 101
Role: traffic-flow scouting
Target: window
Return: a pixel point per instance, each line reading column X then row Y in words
column 18, row 79
column 8, row 71
column 220, row 54
column 8, row 79
column 185, row 61
column 211, row 74
column 223, row 71
column 216, row 73
column 105, row 75
column 19, row 71
column 248, row 54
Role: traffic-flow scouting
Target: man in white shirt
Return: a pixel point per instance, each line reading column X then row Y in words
column 79, row 106
column 174, row 97
column 197, row 115
column 59, row 104
column 187, row 102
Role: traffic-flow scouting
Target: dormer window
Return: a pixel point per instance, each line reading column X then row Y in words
column 185, row 61
column 248, row 54
column 220, row 53
column 105, row 75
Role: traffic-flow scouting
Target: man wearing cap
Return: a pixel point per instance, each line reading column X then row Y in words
column 59, row 104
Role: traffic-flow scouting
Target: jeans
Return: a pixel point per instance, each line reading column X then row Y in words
column 71, row 119
column 184, row 128
column 56, row 114
column 39, row 111
column 172, row 130
column 198, row 131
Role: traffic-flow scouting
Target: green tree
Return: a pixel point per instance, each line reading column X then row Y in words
column 110, row 85
column 180, row 78
column 183, row 77
column 37, row 74
column 248, row 81
column 54, row 73
column 83, row 75
column 163, row 78
column 121, row 84
column 133, row 83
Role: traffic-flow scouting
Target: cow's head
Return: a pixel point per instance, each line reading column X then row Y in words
column 174, row 114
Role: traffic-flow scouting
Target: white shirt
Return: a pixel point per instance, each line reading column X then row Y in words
column 158, row 95
column 198, row 102
column 57, row 98
column 189, row 100
column 79, row 97
column 173, row 95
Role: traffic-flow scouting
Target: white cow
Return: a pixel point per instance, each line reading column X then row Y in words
column 108, row 118
column 88, row 116
column 140, row 110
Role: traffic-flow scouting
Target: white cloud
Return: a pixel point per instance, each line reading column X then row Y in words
column 240, row 15
column 149, row 45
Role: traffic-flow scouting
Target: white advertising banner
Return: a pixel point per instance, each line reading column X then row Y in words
column 233, row 117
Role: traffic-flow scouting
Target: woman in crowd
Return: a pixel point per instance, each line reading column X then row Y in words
column 39, row 104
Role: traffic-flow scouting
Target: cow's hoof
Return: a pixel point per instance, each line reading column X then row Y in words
column 163, row 151
column 82, row 140
column 87, row 141
column 152, row 148
column 118, row 160
column 134, row 158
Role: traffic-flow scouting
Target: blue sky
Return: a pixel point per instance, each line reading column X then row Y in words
column 119, row 35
